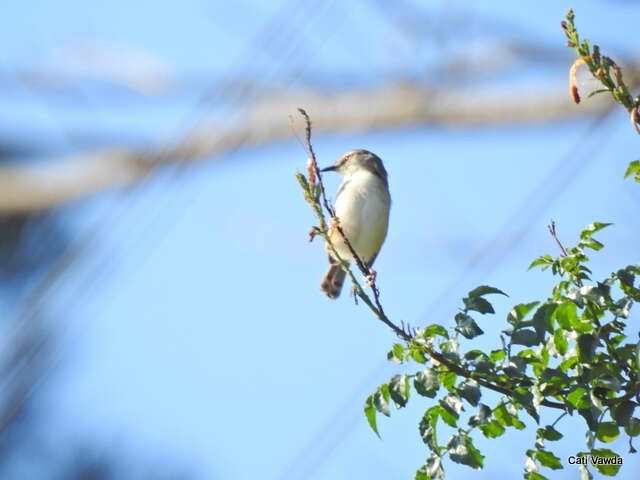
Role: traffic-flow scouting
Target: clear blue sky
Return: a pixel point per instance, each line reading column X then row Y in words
column 195, row 333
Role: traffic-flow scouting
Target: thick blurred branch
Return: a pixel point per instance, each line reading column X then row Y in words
column 50, row 184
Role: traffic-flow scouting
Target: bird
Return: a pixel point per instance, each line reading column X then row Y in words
column 362, row 208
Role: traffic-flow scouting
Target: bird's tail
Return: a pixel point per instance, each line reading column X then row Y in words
column 332, row 281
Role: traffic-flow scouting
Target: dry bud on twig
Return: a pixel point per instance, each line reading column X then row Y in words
column 573, row 84
column 633, row 116
column 311, row 172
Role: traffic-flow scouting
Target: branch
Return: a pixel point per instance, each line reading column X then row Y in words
column 57, row 181
column 314, row 194
column 603, row 69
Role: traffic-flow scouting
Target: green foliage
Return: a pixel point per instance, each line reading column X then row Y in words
column 568, row 352
column 633, row 169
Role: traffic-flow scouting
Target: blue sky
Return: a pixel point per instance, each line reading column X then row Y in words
column 194, row 332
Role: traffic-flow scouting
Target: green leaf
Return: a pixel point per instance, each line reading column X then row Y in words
column 447, row 380
column 605, row 455
column 482, row 417
column 478, row 304
column 426, row 382
column 485, row 290
column 461, row 450
column 502, row 415
column 427, row 427
column 519, row 312
column 587, row 347
column 453, row 403
column 432, row 330
column 633, row 427
column 591, row 243
column 448, row 416
column 548, row 459
column 566, row 314
column 469, row 391
column 467, row 326
column 479, row 360
column 492, row 429
column 579, row 398
column 526, row 337
column 370, row 413
column 534, row 476
column 592, row 228
column 431, row 469
column 399, row 390
column 381, row 399
column 633, row 169
column 544, row 260
column 549, row 433
column 607, row 432
column 396, row 354
column 560, row 342
column 496, row 355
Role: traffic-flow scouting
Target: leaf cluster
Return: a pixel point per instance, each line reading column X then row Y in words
column 570, row 352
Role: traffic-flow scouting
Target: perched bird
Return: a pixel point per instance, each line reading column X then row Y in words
column 362, row 207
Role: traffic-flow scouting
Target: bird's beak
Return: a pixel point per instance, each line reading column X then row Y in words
column 332, row 168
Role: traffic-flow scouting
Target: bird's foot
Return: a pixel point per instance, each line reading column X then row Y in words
column 313, row 232
column 371, row 278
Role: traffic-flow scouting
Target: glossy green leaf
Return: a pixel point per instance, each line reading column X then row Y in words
column 548, row 459
column 461, row 450
column 606, row 461
column 426, row 382
column 482, row 417
column 485, row 290
column 399, row 390
column 633, row 427
column 579, row 398
column 549, row 433
column 370, row 414
column 447, row 380
column 592, row 228
column 526, row 337
column 633, row 169
column 478, row 304
column 381, row 399
column 566, row 314
column 470, row 391
column 587, row 347
column 492, row 429
column 607, row 432
column 433, row 330
column 466, row 326
column 560, row 342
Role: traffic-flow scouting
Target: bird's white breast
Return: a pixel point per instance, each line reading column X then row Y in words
column 363, row 206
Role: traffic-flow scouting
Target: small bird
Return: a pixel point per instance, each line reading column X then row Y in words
column 362, row 207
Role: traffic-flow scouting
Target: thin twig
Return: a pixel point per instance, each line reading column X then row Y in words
column 554, row 235
column 375, row 306
column 404, row 332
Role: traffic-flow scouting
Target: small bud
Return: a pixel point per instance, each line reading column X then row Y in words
column 311, row 172
column 563, row 24
column 634, row 119
column 573, row 84
column 575, row 96
column 571, row 44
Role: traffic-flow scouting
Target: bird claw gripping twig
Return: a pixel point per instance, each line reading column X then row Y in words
column 371, row 278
